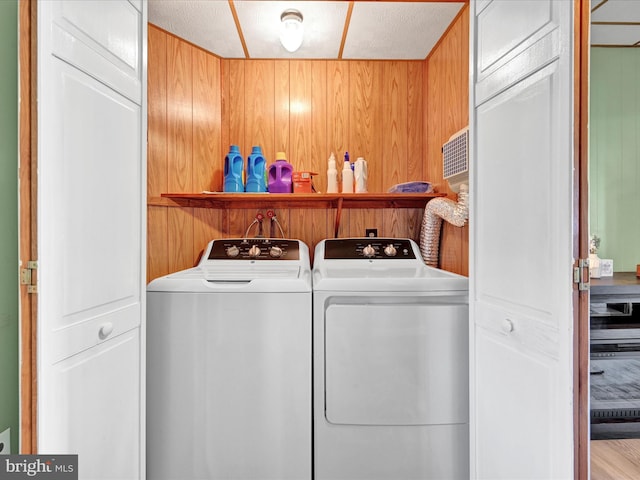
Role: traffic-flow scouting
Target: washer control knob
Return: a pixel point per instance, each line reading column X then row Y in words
column 390, row 250
column 254, row 251
column 275, row 251
column 233, row 251
column 369, row 251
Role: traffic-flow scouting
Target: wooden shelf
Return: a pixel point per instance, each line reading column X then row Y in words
column 296, row 200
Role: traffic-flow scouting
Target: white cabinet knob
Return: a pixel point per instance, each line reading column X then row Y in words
column 105, row 330
column 507, row 326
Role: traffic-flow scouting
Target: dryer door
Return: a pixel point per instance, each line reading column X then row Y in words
column 396, row 364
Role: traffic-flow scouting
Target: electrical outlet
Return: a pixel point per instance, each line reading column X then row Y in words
column 5, row 442
column 371, row 232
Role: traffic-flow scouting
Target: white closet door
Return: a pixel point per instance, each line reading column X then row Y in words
column 91, row 233
column 521, row 270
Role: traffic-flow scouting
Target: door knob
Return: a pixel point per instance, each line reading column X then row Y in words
column 105, row 330
column 507, row 326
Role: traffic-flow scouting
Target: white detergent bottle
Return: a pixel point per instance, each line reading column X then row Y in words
column 361, row 175
column 347, row 175
column 332, row 175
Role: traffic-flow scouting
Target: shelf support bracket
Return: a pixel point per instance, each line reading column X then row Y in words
column 338, row 214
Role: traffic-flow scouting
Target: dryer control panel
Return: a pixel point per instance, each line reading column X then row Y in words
column 368, row 248
column 254, row 249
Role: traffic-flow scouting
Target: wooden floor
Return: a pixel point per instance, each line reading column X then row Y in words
column 615, row 459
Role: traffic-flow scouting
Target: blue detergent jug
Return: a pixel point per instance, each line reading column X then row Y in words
column 280, row 175
column 233, row 169
column 255, row 171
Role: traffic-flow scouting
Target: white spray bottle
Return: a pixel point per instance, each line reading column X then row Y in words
column 361, row 175
column 347, row 175
column 332, row 175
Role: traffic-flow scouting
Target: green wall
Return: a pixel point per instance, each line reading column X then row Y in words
column 614, row 155
column 9, row 395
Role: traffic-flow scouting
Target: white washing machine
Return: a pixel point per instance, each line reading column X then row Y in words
column 391, row 351
column 229, row 365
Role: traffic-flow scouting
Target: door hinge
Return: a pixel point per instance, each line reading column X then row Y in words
column 581, row 274
column 28, row 276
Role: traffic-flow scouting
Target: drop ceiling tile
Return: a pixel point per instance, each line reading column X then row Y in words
column 323, row 25
column 620, row 35
column 378, row 30
column 206, row 23
column 616, row 11
column 386, row 30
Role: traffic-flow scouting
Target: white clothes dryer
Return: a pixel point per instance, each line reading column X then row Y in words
column 229, row 365
column 391, row 381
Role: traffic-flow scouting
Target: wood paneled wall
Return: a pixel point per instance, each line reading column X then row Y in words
column 184, row 125
column 200, row 104
column 310, row 108
column 446, row 110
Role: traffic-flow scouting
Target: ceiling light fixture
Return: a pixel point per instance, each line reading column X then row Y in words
column 291, row 30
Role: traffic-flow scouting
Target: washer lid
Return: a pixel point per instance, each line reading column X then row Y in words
column 256, row 277
column 247, row 271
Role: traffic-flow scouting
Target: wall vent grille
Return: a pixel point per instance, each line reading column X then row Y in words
column 455, row 154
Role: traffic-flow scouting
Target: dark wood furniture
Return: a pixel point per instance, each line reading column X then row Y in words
column 622, row 287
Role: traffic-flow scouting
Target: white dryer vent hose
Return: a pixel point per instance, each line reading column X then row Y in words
column 438, row 209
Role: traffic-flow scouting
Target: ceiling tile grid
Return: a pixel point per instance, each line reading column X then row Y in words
column 615, row 23
column 377, row 30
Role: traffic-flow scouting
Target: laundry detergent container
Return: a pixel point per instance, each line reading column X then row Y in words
column 280, row 175
column 233, row 170
column 256, row 165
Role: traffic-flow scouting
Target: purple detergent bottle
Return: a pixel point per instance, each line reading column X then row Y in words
column 280, row 175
